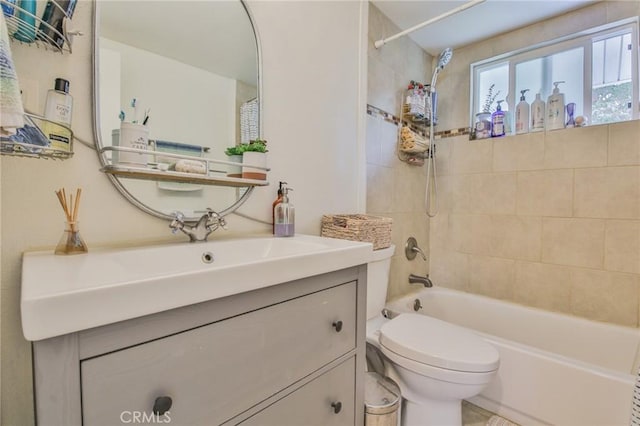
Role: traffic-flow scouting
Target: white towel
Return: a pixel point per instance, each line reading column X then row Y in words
column 11, row 109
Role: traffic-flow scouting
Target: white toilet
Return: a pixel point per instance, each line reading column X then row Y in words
column 436, row 364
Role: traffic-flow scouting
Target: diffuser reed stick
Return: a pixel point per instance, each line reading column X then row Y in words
column 71, row 241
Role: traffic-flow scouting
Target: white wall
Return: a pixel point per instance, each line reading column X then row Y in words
column 313, row 114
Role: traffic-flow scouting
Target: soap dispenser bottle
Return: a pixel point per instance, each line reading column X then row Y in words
column 497, row 121
column 273, row 209
column 555, row 109
column 537, row 114
column 522, row 114
column 285, row 216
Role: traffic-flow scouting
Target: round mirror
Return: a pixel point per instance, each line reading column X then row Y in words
column 187, row 73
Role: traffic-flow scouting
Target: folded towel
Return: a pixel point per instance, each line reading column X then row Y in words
column 11, row 109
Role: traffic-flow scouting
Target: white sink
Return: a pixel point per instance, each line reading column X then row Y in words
column 63, row 294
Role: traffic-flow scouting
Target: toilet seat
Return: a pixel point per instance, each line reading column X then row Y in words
column 420, row 342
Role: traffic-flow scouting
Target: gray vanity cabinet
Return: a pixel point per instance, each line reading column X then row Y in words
column 290, row 354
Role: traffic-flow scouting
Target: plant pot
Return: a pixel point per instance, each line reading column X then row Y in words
column 233, row 170
column 251, row 162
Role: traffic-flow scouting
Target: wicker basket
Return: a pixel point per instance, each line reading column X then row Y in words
column 358, row 227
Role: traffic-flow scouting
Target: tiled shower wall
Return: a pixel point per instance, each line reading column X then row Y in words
column 394, row 189
column 550, row 219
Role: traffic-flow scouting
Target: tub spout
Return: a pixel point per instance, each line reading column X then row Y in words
column 417, row 279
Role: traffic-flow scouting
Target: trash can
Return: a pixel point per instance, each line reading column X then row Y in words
column 381, row 400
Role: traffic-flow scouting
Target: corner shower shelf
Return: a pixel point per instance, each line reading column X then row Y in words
column 151, row 172
column 22, row 144
column 41, row 39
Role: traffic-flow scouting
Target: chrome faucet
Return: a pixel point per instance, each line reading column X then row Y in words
column 417, row 279
column 209, row 222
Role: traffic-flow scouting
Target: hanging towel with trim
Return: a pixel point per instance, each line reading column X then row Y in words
column 11, row 109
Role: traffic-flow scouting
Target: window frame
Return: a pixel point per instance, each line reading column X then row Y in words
column 583, row 39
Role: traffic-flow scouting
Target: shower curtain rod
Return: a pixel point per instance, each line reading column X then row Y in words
column 378, row 44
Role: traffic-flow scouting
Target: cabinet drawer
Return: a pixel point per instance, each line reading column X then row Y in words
column 214, row 372
column 328, row 400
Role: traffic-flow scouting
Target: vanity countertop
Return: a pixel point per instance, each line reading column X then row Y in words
column 65, row 294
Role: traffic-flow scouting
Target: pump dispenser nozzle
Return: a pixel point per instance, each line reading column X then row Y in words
column 555, row 86
column 522, row 92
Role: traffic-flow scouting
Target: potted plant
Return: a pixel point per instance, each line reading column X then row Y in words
column 483, row 119
column 254, row 160
column 235, row 155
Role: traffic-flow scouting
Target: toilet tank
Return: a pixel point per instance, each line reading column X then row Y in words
column 378, row 280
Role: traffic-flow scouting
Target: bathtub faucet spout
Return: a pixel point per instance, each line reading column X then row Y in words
column 417, row 279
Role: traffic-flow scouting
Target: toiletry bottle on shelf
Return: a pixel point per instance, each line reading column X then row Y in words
column 555, row 109
column 273, row 209
column 522, row 114
column 508, row 116
column 497, row 121
column 26, row 16
column 571, row 109
column 58, row 108
column 285, row 216
column 53, row 18
column 537, row 114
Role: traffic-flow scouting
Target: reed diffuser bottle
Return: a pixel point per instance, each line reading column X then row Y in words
column 71, row 241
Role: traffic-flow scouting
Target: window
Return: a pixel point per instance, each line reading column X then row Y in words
column 598, row 68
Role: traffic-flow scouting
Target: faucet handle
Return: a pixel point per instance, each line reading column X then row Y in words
column 177, row 223
column 223, row 223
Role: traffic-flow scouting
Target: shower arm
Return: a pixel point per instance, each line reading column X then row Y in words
column 378, row 44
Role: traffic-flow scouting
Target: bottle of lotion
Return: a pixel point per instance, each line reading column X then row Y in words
column 522, row 114
column 497, row 121
column 285, row 216
column 537, row 114
column 58, row 108
column 555, row 109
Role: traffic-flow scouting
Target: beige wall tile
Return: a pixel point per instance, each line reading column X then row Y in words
column 617, row 10
column 520, row 152
column 372, row 146
column 388, row 142
column 470, row 233
column 576, row 242
column 443, row 156
column 610, row 192
column 543, row 286
column 408, row 188
column 577, row 147
column 484, row 193
column 379, row 188
column 449, row 269
column 492, row 276
column 622, row 246
column 516, row 237
column 624, row 143
column 472, row 156
column 605, row 296
column 381, row 86
column 545, row 193
column 439, row 232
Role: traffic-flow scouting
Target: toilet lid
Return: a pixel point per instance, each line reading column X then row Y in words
column 438, row 343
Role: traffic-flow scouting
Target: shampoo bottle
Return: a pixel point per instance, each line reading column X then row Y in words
column 537, row 114
column 58, row 108
column 497, row 121
column 53, row 17
column 555, row 109
column 26, row 14
column 285, row 216
column 273, row 210
column 522, row 114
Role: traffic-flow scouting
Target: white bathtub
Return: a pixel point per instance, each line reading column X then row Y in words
column 554, row 368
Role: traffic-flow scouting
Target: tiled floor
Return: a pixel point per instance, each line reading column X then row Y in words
column 472, row 415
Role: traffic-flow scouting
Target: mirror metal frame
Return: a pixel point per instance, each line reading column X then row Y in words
column 96, row 122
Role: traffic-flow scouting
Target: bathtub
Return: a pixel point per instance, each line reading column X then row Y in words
column 554, row 368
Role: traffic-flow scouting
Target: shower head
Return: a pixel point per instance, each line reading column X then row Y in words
column 443, row 60
column 445, row 57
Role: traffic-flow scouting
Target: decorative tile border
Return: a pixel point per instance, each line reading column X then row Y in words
column 390, row 118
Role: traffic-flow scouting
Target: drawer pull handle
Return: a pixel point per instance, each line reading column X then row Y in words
column 338, row 326
column 162, row 405
column 337, row 407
